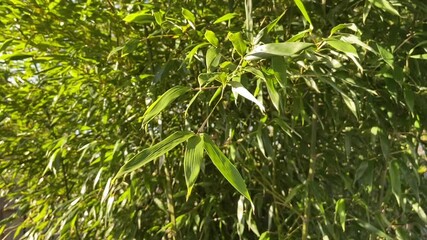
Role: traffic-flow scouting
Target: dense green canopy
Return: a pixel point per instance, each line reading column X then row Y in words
column 198, row 119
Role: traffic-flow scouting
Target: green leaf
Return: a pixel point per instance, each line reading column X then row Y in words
column 149, row 154
column 225, row 17
column 339, row 27
column 350, row 104
column 340, row 212
column 420, row 211
column 348, row 49
column 139, row 17
column 193, row 51
column 190, row 17
column 192, row 161
column 386, row 55
column 301, row 7
column 211, row 37
column 239, row 89
column 276, row 49
column 419, row 56
column 238, row 43
column 162, row 102
column 226, row 168
column 385, row 5
column 395, row 180
column 5, row 44
column 205, row 78
column 272, row 92
column 212, row 58
column 409, row 99
column 373, row 229
column 342, row 46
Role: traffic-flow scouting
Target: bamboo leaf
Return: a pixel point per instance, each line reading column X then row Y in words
column 385, row 5
column 162, row 102
column 226, row 17
column 373, row 229
column 301, row 7
column 149, row 154
column 395, row 180
column 192, row 161
column 226, row 168
column 276, row 49
column 139, row 17
column 340, row 212
column 242, row 91
column 238, row 43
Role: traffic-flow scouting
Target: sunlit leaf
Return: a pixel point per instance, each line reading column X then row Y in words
column 211, row 37
column 226, row 17
column 301, row 7
column 276, row 49
column 139, row 17
column 385, row 5
column 162, row 102
column 242, row 91
column 340, row 212
column 238, row 43
column 149, row 154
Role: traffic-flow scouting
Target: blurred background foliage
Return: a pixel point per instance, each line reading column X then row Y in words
column 320, row 105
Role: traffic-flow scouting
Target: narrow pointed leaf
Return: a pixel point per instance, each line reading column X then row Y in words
column 242, row 91
column 373, row 229
column 226, row 17
column 385, row 5
column 192, row 161
column 149, row 154
column 276, row 49
column 139, row 17
column 395, row 180
column 162, row 102
column 302, row 9
column 227, row 169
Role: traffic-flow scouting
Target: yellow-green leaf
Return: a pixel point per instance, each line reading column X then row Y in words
column 276, row 49
column 162, row 102
column 211, row 37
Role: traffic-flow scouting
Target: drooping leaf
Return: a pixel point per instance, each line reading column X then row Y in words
column 149, row 154
column 276, row 49
column 239, row 89
column 162, row 102
column 226, row 168
column 192, row 161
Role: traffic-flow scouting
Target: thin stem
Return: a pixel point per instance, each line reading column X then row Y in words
column 311, row 171
column 170, row 203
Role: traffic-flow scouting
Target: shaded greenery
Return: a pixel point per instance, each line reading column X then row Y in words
column 149, row 119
